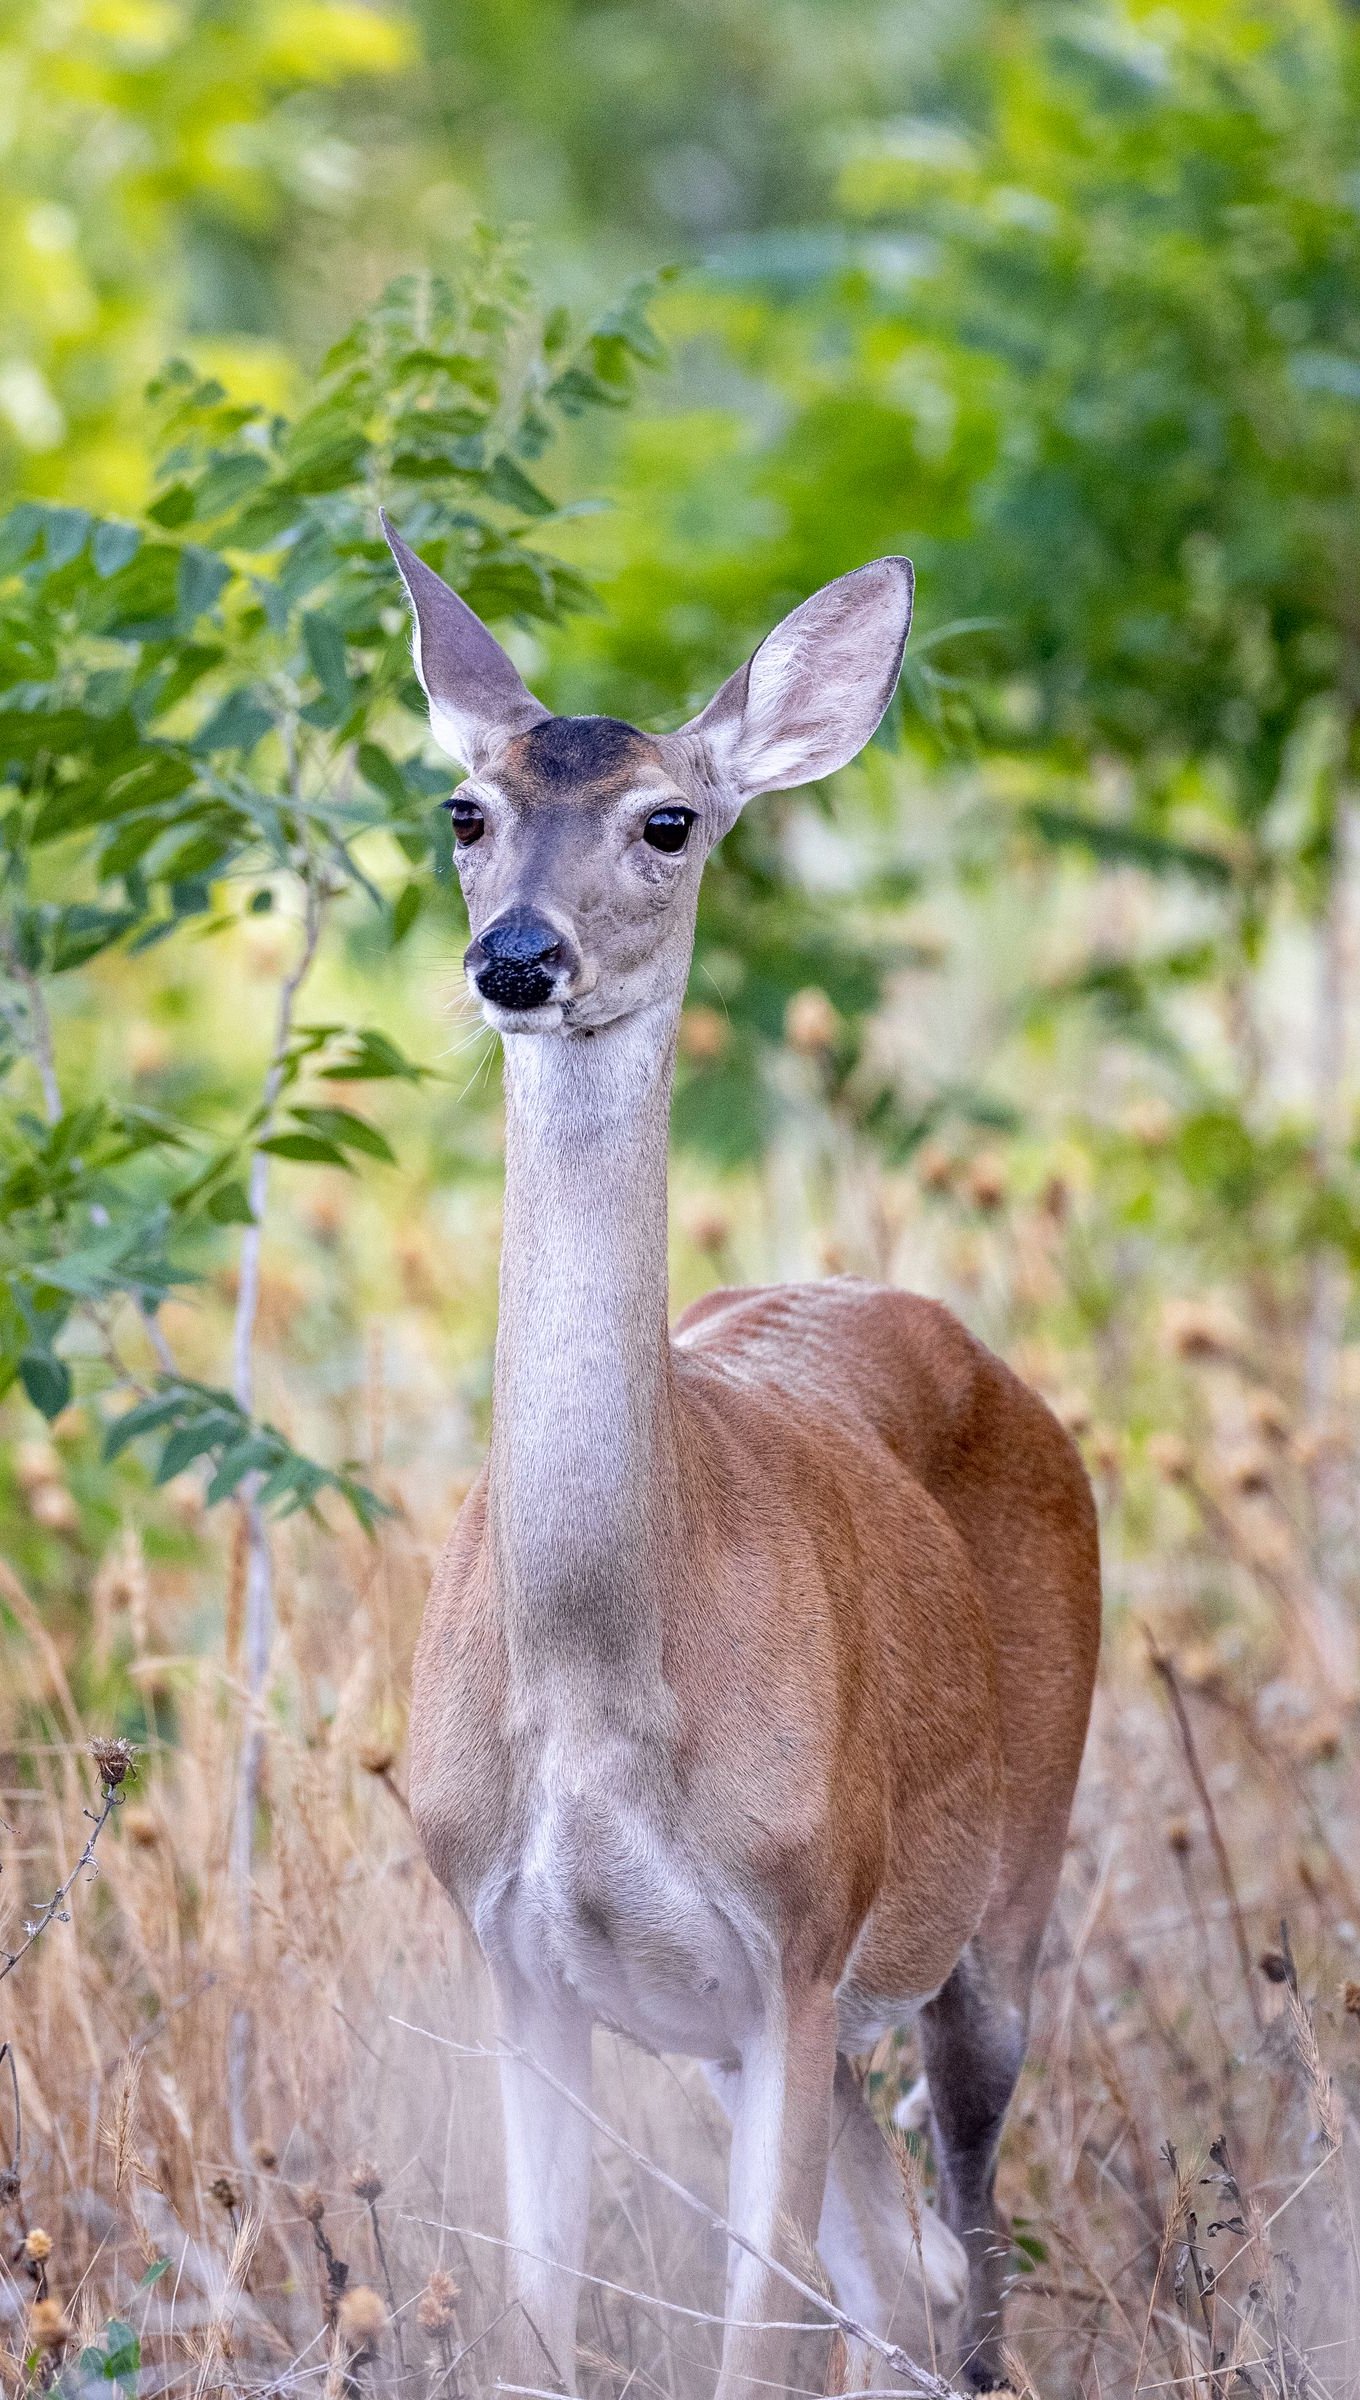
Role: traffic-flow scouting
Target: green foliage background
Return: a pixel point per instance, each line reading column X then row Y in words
column 1064, row 302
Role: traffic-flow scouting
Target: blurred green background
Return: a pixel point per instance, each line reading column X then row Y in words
column 644, row 319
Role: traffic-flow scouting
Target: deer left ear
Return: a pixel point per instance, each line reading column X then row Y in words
column 477, row 696
column 814, row 691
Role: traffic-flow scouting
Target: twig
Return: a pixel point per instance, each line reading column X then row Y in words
column 922, row 2384
column 12, row 2176
column 55, row 1907
column 1162, row 1666
column 259, row 1592
column 40, row 1044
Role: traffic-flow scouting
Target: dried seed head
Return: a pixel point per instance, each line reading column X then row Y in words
column 810, row 1022
column 1056, row 1199
column 361, row 2317
column 1270, row 1418
column 1201, row 1329
column 985, row 1181
column 115, row 1758
column 703, row 1034
column 1105, row 1450
column 265, row 2156
column 1350, row 1999
column 52, row 1506
column 1178, row 1836
column 1247, row 1471
column 1150, row 1123
column 37, row 2247
column 1274, row 1966
column 376, row 1756
column 1169, row 1457
column 709, row 1227
column 311, row 2205
column 436, row 2309
column 48, row 2325
column 35, row 1463
column 226, row 2191
column 365, row 2181
column 936, row 1167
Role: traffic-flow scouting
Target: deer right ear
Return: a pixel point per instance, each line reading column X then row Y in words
column 476, row 693
column 812, row 694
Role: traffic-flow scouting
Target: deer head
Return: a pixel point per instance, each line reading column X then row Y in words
column 580, row 841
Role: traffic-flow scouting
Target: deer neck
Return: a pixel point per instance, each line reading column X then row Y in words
column 584, row 1492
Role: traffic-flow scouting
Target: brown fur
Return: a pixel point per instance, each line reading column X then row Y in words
column 881, row 1511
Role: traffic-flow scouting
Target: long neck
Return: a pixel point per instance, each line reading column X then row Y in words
column 584, row 1502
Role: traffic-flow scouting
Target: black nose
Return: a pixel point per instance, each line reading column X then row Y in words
column 517, row 961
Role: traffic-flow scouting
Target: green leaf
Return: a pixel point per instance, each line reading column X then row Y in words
column 229, row 1205
column 238, row 723
column 203, row 577
column 113, row 546
column 305, row 1146
column 47, row 1381
column 325, row 649
column 372, row 1056
column 256, row 1452
column 146, row 1417
column 509, row 483
column 384, row 774
column 405, row 910
column 123, row 2352
column 192, row 1441
column 343, row 1126
column 67, row 531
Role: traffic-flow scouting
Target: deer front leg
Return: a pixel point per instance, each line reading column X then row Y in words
column 781, row 2132
column 547, row 2182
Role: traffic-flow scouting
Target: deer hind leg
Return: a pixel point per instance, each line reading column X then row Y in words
column 973, row 2040
column 866, row 2242
column 547, row 2183
column 781, row 2129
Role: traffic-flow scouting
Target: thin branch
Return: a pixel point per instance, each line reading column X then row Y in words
column 248, row 1292
column 40, row 1044
column 11, row 2177
column 1162, row 1666
column 55, row 1907
column 922, row 2385
column 259, row 1593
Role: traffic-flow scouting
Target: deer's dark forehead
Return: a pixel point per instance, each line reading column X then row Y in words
column 600, row 754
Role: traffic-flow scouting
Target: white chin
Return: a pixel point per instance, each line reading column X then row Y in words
column 547, row 1019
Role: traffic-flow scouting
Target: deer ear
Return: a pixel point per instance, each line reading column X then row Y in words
column 814, row 691
column 476, row 694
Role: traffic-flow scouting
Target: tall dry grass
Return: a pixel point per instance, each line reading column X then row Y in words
column 1179, row 2165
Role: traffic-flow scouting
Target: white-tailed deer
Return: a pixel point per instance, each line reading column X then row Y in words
column 755, row 1676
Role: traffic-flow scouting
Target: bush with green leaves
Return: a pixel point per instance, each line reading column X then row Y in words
column 220, row 695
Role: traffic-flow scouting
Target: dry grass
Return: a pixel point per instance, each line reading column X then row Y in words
column 1179, row 2164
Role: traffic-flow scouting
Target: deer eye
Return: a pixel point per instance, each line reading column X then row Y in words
column 468, row 822
column 668, row 828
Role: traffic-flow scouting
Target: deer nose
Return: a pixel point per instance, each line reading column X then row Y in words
column 518, row 961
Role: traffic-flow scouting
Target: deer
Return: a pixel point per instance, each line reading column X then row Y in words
column 754, row 1678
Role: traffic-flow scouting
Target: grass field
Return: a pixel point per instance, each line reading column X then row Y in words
column 1179, row 2162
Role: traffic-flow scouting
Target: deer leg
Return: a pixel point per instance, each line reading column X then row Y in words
column 781, row 2127
column 867, row 2246
column 973, row 2042
column 547, row 2183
